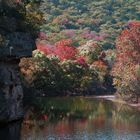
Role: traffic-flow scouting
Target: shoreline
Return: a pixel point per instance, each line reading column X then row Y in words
column 114, row 99
column 106, row 97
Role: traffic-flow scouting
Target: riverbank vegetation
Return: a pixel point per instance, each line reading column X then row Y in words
column 76, row 52
column 126, row 70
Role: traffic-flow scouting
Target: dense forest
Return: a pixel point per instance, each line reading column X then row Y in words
column 81, row 46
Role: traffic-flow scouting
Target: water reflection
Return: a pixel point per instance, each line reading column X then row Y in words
column 125, row 117
column 80, row 118
column 76, row 119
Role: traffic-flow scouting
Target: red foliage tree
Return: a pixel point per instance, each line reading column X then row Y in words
column 82, row 61
column 63, row 49
column 45, row 48
column 127, row 64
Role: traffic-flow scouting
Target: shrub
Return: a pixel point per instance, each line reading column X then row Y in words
column 63, row 68
column 91, row 50
column 50, row 77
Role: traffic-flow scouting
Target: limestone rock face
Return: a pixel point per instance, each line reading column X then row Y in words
column 5, row 26
column 11, row 93
column 16, row 41
column 21, row 44
column 17, row 45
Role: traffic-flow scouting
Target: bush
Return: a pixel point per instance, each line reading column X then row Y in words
column 63, row 68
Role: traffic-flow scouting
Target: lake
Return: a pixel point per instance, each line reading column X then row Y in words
column 75, row 118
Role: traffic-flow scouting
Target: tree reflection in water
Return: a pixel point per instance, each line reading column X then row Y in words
column 75, row 117
column 125, row 117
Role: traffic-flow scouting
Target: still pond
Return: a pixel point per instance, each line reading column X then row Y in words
column 75, row 118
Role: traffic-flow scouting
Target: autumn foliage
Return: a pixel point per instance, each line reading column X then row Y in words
column 126, row 70
column 62, row 49
column 63, row 67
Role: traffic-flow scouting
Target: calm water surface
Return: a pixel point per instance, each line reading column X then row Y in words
column 75, row 119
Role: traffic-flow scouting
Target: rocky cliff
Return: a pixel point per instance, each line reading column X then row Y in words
column 15, row 43
column 11, row 92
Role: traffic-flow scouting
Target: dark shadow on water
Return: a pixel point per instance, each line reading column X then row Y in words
column 10, row 131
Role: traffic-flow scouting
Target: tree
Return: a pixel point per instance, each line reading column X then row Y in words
column 126, row 70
